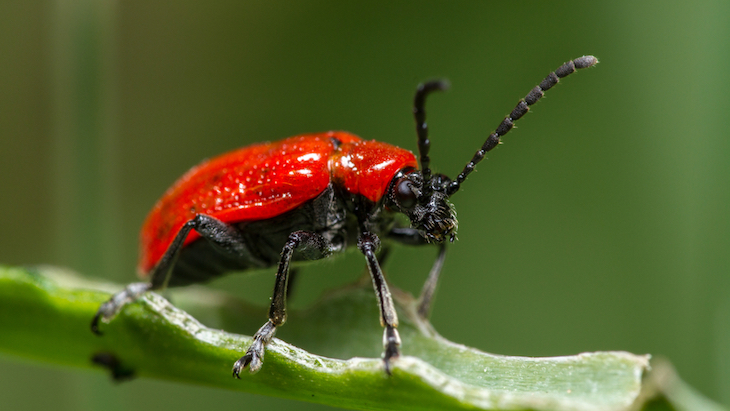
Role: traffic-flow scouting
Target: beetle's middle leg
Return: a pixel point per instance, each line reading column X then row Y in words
column 313, row 246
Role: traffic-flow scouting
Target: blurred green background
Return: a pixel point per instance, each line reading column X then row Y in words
column 602, row 223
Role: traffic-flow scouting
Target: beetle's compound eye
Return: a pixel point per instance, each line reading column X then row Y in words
column 405, row 194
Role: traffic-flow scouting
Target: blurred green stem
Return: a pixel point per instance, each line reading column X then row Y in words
column 84, row 129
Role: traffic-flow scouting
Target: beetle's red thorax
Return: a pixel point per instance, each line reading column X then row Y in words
column 366, row 168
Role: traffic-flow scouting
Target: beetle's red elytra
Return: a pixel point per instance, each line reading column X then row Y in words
column 306, row 198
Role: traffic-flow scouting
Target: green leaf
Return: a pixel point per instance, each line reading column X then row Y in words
column 45, row 315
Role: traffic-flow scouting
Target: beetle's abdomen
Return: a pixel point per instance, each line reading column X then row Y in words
column 201, row 260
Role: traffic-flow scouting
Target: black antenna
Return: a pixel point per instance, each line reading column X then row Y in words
column 522, row 107
column 424, row 144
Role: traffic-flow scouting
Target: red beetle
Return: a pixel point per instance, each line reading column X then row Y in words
column 305, row 198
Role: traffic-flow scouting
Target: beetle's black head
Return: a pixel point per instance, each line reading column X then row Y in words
column 425, row 203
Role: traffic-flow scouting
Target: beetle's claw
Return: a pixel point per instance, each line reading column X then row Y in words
column 240, row 365
column 95, row 323
column 252, row 359
column 103, row 314
column 391, row 353
column 386, row 363
column 391, row 342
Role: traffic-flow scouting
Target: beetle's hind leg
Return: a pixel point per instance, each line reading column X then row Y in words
column 313, row 246
column 221, row 235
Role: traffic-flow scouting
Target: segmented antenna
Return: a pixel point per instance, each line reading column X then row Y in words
column 522, row 107
column 419, row 112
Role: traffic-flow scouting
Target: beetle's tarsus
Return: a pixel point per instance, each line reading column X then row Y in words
column 111, row 307
column 254, row 357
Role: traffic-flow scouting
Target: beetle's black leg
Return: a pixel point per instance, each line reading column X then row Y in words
column 220, row 234
column 313, row 246
column 429, row 287
column 368, row 244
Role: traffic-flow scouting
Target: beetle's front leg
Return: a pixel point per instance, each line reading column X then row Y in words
column 368, row 244
column 314, row 246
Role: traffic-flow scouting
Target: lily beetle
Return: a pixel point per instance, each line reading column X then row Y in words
column 306, row 198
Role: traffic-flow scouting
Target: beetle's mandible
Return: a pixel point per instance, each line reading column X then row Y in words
column 306, row 198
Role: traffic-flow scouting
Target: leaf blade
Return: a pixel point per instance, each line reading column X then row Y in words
column 46, row 317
